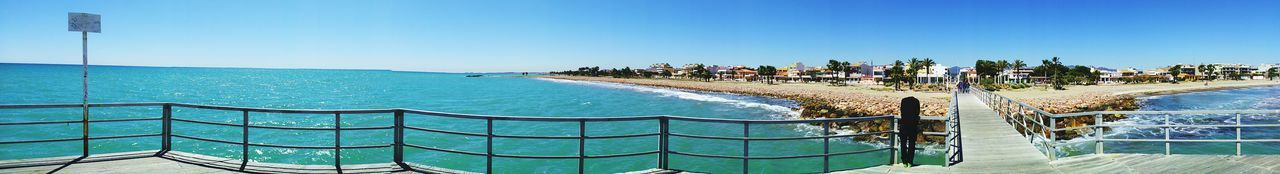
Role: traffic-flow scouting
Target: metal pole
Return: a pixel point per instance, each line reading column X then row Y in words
column 84, row 48
column 244, row 143
column 1053, row 137
column 1238, row 134
column 746, row 145
column 662, row 142
column 1166, row 135
column 488, row 157
column 165, row 140
column 582, row 145
column 893, row 137
column 337, row 141
column 399, row 139
column 826, row 146
column 1097, row 133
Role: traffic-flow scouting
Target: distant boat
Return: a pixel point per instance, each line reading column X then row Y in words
column 477, row 75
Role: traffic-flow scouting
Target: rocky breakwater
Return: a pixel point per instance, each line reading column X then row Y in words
column 1080, row 103
column 818, row 101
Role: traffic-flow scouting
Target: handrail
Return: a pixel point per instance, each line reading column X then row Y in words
column 399, row 127
column 1050, row 143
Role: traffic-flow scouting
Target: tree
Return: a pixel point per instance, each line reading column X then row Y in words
column 1272, row 74
column 1018, row 65
column 1001, row 65
column 834, row 66
column 928, row 69
column 766, row 72
column 1174, row 71
column 897, row 75
column 1054, row 70
column 848, row 69
column 986, row 68
column 913, row 68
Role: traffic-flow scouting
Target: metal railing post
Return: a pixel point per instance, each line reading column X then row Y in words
column 662, row 142
column 893, row 140
column 1097, row 134
column 399, row 137
column 165, row 141
column 244, row 143
column 1238, row 121
column 582, row 145
column 488, row 157
column 337, row 141
column 1167, row 151
column 826, row 149
column 1053, row 138
column 746, row 146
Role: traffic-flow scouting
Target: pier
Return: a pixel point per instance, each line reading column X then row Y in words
column 984, row 133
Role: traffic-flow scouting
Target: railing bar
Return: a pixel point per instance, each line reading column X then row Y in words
column 445, row 150
column 204, row 139
column 778, row 157
column 123, row 136
column 444, row 131
column 623, row 155
column 623, row 136
column 205, row 122
column 41, row 141
column 781, row 138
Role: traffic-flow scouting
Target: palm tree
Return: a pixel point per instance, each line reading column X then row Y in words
column 1017, row 65
column 847, row 71
column 834, row 66
column 1271, row 74
column 896, row 73
column 913, row 67
column 928, row 70
column 1002, row 64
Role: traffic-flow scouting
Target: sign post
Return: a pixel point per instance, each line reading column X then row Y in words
column 84, row 23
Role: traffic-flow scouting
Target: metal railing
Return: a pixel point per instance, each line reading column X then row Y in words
column 954, row 153
column 1041, row 127
column 400, row 127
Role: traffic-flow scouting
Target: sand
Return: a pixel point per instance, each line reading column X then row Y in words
column 855, row 100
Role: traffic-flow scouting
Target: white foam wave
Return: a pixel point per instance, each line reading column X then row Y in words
column 786, row 111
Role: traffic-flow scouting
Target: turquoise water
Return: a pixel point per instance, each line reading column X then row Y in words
column 1258, row 98
column 498, row 94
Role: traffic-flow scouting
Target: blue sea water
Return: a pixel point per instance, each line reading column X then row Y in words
column 495, row 94
column 1256, row 98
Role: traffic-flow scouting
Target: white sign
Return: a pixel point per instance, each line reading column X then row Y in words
column 84, row 22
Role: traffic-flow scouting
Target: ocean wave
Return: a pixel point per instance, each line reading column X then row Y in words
column 786, row 112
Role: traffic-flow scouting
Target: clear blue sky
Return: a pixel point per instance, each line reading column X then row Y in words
column 462, row 36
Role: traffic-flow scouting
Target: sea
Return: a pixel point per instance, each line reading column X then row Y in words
column 1255, row 98
column 506, row 94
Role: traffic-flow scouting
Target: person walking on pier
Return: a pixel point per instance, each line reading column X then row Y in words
column 908, row 129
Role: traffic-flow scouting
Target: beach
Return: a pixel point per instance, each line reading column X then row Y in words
column 852, row 100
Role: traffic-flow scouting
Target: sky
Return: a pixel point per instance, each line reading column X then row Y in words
column 539, row 36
